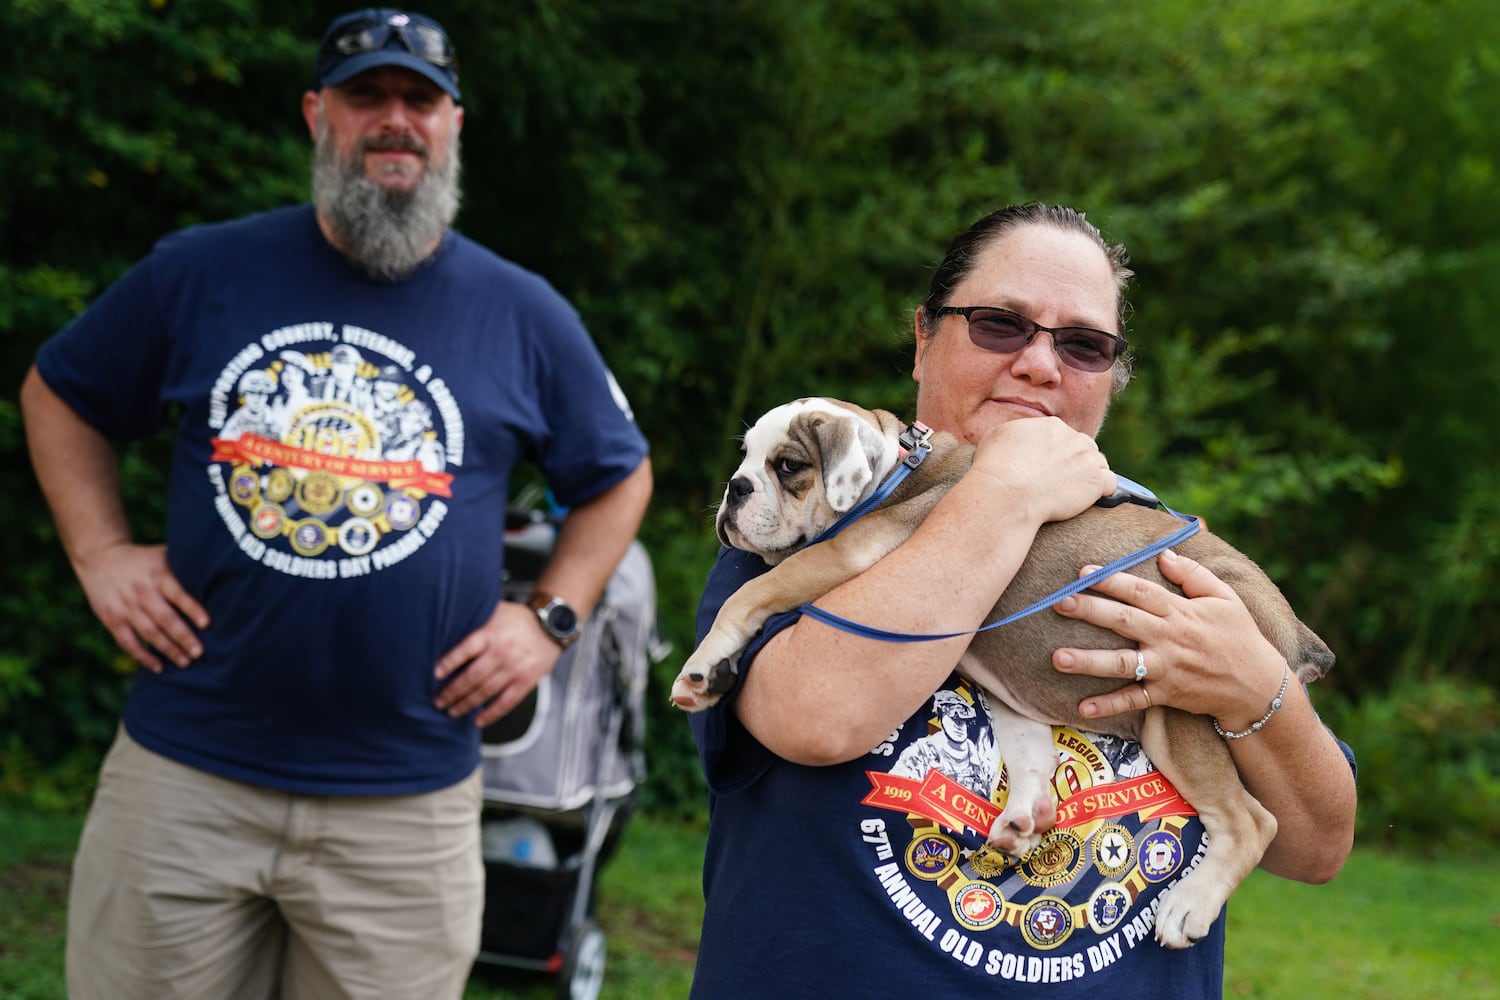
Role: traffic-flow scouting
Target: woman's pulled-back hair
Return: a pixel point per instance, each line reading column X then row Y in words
column 969, row 245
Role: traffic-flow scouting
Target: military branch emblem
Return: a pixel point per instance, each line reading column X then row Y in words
column 402, row 511
column 1108, row 906
column 1047, row 923
column 309, row 537
column 333, row 450
column 244, row 486
column 979, row 906
column 358, row 537
column 931, row 857
column 266, row 520
column 1160, row 855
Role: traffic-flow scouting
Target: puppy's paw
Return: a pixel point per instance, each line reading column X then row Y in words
column 1184, row 917
column 1022, row 826
column 696, row 689
column 690, row 692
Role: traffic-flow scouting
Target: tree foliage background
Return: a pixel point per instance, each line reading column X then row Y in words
column 745, row 200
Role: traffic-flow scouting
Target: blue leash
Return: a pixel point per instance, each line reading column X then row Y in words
column 919, row 445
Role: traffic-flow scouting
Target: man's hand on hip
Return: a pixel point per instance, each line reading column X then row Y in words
column 496, row 665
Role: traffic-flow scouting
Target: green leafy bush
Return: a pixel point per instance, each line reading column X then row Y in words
column 1429, row 764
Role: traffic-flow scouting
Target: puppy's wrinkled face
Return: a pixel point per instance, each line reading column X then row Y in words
column 806, row 462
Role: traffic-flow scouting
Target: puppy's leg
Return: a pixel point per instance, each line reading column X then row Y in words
column 709, row 672
column 1030, row 760
column 1186, row 749
column 802, row 577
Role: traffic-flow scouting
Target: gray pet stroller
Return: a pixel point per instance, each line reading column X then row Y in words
column 561, row 773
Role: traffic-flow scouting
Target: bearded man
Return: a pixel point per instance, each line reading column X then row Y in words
column 291, row 804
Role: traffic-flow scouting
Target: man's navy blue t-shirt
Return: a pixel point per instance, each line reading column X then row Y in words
column 338, row 484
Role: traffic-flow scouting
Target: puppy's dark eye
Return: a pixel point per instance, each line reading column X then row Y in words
column 790, row 466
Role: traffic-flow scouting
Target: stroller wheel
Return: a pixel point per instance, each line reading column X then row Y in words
column 583, row 972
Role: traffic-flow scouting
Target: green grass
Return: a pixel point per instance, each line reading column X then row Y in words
column 1389, row 926
column 35, row 849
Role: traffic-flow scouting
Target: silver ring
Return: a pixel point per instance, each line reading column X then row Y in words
column 1140, row 665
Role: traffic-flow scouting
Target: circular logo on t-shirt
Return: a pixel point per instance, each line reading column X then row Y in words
column 1114, row 849
column 1159, row 855
column 1108, row 906
column 333, row 450
column 1063, row 911
column 1056, row 860
column 1046, row 923
column 979, row 906
column 932, row 856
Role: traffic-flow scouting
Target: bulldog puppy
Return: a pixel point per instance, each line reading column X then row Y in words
column 809, row 461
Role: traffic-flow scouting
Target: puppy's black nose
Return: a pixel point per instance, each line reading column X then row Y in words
column 739, row 489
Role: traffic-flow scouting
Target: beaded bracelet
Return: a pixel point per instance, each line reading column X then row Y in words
column 1258, row 726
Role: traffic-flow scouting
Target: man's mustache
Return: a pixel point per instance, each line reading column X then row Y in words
column 404, row 142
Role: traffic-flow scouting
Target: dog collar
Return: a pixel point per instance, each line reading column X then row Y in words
column 915, row 442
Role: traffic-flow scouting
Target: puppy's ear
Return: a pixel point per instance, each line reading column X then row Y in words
column 850, row 449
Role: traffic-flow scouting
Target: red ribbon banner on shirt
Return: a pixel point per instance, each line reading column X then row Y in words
column 1150, row 796
column 939, row 798
column 253, row 450
column 936, row 797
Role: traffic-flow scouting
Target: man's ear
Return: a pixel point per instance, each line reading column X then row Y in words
column 311, row 102
column 847, row 468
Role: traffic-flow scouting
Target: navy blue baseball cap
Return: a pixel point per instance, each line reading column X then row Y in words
column 383, row 36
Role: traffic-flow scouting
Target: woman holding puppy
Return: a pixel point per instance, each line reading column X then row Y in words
column 832, row 872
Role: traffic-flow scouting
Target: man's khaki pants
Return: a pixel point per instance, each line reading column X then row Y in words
column 187, row 885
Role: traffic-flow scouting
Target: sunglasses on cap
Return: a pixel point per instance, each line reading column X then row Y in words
column 1004, row 332
column 423, row 41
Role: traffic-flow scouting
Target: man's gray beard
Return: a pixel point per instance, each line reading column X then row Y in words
column 386, row 233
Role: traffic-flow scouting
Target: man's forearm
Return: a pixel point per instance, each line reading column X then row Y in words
column 78, row 471
column 592, row 539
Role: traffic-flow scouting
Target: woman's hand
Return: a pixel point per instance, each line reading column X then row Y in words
column 1203, row 653
column 1057, row 471
column 1201, row 650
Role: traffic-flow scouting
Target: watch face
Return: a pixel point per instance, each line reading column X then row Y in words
column 562, row 619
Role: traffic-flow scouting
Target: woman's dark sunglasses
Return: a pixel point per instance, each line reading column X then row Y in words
column 1004, row 332
column 422, row 41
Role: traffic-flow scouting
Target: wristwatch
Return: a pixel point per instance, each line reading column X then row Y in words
column 556, row 615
